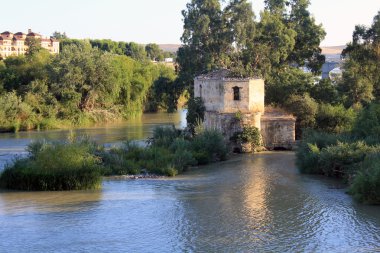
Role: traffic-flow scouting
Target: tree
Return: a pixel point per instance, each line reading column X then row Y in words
column 283, row 84
column 305, row 109
column 325, row 92
column 204, row 47
column 277, row 7
column 20, row 71
column 154, row 52
column 360, row 82
column 34, row 45
column 81, row 78
column 59, row 36
column 306, row 50
column 196, row 113
column 244, row 57
column 136, row 51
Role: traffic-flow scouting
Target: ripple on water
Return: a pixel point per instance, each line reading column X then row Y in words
column 254, row 203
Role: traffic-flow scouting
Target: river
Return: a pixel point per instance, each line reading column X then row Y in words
column 250, row 203
column 14, row 144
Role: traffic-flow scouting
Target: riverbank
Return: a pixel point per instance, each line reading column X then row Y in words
column 354, row 161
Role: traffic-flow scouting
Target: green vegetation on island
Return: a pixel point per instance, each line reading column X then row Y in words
column 78, row 164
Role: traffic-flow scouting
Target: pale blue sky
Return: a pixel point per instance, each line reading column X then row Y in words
column 158, row 21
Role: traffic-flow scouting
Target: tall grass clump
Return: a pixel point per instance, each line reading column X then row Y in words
column 122, row 160
column 169, row 152
column 309, row 149
column 57, row 166
column 209, row 146
column 366, row 184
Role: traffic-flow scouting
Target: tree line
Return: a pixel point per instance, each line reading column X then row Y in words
column 81, row 85
column 136, row 51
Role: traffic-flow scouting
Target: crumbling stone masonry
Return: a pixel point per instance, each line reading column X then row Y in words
column 232, row 103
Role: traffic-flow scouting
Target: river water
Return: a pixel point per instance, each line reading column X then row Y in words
column 14, row 144
column 250, row 203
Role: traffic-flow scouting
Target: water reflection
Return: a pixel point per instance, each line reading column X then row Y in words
column 21, row 203
column 139, row 128
column 257, row 203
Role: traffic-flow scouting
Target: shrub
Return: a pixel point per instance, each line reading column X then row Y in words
column 116, row 163
column 335, row 119
column 157, row 160
column 307, row 159
column 164, row 136
column 309, row 149
column 195, row 113
column 123, row 160
column 209, row 146
column 366, row 184
column 55, row 167
column 250, row 134
column 342, row 159
column 305, row 109
column 368, row 122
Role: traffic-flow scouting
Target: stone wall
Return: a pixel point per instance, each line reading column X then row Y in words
column 228, row 115
column 278, row 131
column 230, row 123
column 231, row 105
column 211, row 92
column 217, row 92
column 256, row 95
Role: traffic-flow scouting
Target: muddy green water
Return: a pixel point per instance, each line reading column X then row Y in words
column 251, row 203
column 14, row 144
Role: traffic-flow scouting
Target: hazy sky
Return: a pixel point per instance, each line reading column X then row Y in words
column 158, row 21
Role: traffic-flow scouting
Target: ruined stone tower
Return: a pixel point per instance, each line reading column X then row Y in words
column 232, row 103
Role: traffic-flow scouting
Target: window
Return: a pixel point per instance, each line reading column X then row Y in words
column 236, row 93
column 200, row 90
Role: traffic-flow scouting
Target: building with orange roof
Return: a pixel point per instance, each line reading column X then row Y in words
column 16, row 44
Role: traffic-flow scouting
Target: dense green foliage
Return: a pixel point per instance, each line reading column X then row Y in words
column 79, row 86
column 79, row 163
column 195, row 113
column 351, row 111
column 135, row 51
column 352, row 156
column 366, row 184
column 230, row 37
column 250, row 135
column 170, row 151
column 368, row 123
column 361, row 82
column 55, row 166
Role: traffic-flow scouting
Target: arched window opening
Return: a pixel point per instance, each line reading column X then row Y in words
column 236, row 93
column 200, row 90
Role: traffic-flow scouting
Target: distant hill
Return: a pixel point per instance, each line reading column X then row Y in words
column 334, row 50
column 169, row 47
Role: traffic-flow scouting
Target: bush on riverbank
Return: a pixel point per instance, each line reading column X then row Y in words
column 366, row 184
column 55, row 166
column 79, row 163
column 357, row 162
column 169, row 152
